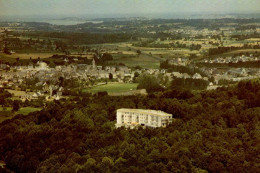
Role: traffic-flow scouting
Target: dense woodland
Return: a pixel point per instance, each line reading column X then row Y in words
column 131, row 25
column 221, row 50
column 213, row 131
column 80, row 38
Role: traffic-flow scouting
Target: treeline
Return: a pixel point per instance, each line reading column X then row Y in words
column 249, row 64
column 189, row 83
column 52, row 61
column 247, row 36
column 74, row 38
column 4, row 97
column 182, row 69
column 169, row 45
column 221, row 50
column 213, row 131
column 163, row 83
column 204, row 23
column 6, row 101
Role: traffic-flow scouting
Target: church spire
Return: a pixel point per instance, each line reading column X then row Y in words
column 93, row 63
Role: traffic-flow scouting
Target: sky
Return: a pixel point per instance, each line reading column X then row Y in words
column 105, row 7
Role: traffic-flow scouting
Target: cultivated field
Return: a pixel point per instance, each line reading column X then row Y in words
column 27, row 55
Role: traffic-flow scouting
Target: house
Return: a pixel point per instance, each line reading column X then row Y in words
column 197, row 76
column 3, row 66
column 177, row 74
column 42, row 66
column 110, row 69
column 181, row 75
column 124, row 69
column 185, row 75
column 237, row 72
column 66, row 60
column 59, row 91
column 142, row 117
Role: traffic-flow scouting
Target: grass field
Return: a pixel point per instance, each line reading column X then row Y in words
column 235, row 43
column 27, row 110
column 27, row 55
column 8, row 114
column 113, row 88
column 7, row 109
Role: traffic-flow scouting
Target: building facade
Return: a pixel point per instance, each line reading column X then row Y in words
column 142, row 117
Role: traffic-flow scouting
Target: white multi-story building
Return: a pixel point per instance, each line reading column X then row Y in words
column 142, row 117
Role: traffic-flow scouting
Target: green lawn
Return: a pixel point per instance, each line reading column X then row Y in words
column 7, row 109
column 8, row 114
column 113, row 88
column 27, row 110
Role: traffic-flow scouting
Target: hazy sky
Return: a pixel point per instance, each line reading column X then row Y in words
column 81, row 7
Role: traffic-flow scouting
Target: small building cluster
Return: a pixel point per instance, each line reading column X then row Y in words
column 179, row 61
column 242, row 58
column 231, row 74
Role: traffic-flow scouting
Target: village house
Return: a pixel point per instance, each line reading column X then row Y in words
column 197, row 76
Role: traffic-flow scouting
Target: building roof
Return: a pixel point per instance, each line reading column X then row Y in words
column 145, row 111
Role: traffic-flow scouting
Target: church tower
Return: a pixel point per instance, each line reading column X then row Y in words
column 93, row 64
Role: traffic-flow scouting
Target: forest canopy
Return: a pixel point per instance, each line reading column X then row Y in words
column 213, row 131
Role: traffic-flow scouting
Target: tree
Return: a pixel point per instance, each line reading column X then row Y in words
column 16, row 105
column 17, row 60
column 107, row 57
column 52, row 64
column 149, row 82
column 61, row 79
column 6, row 50
column 110, row 76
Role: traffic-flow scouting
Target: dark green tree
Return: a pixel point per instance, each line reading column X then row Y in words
column 16, row 105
